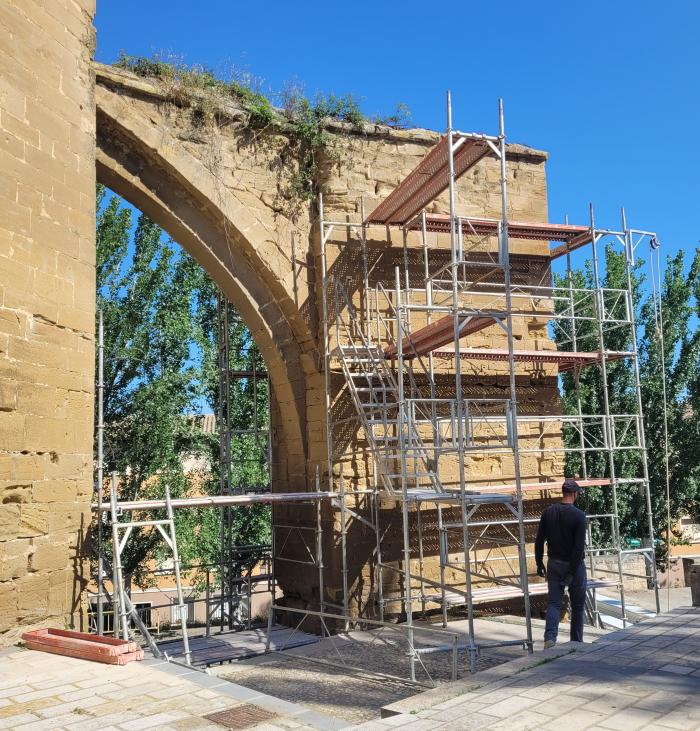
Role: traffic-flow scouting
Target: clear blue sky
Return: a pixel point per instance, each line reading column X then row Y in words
column 609, row 88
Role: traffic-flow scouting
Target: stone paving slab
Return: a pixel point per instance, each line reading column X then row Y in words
column 637, row 679
column 43, row 691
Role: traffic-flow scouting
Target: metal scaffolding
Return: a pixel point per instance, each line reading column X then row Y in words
column 257, row 427
column 235, row 584
column 396, row 351
column 400, row 347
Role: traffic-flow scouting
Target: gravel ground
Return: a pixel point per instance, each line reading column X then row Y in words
column 354, row 696
column 333, row 691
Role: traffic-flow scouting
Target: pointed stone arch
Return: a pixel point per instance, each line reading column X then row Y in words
column 230, row 233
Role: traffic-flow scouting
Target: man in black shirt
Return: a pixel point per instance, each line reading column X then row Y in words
column 563, row 527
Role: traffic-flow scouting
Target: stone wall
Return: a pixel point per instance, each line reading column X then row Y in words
column 47, row 292
column 371, row 168
column 219, row 192
column 633, row 567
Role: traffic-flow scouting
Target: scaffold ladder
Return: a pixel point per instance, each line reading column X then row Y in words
column 390, row 433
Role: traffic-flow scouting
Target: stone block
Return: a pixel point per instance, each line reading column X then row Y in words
column 34, row 520
column 71, row 517
column 9, row 521
column 8, row 605
column 32, row 596
column 13, row 99
column 45, row 163
column 14, row 558
column 27, row 466
column 20, row 128
column 61, row 590
column 53, row 126
column 13, row 493
column 23, row 350
column 8, row 396
column 11, row 144
column 51, row 553
column 61, row 491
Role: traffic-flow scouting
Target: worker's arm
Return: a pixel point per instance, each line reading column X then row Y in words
column 578, row 550
column 539, row 544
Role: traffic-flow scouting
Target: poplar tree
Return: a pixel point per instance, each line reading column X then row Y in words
column 679, row 310
column 679, row 307
column 145, row 290
column 160, row 368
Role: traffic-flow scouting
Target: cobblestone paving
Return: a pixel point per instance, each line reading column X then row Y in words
column 43, row 691
column 644, row 678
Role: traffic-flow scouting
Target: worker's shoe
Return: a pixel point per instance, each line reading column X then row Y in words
column 549, row 643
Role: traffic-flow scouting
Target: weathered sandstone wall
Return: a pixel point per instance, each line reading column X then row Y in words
column 47, row 296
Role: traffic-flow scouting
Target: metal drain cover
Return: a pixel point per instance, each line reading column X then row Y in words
column 243, row 716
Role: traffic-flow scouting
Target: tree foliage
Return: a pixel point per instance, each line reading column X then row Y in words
column 201, row 529
column 160, row 367
column 680, row 305
column 145, row 290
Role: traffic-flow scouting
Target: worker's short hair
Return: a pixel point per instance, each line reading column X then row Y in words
column 571, row 486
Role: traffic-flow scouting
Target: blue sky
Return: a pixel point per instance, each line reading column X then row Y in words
column 609, row 89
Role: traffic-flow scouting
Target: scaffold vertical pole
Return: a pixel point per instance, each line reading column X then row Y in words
column 629, row 259
column 365, row 272
column 225, row 466
column 344, row 552
column 401, row 427
column 609, row 425
column 326, row 341
column 456, row 267
column 319, row 558
column 182, row 607
column 121, row 624
column 100, row 471
column 378, row 541
column 513, row 411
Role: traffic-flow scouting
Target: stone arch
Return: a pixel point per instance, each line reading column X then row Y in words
column 47, row 263
column 138, row 159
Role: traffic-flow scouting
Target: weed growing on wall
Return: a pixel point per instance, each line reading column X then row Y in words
column 304, row 120
column 200, row 89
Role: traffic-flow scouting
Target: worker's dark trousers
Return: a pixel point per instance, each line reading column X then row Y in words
column 556, row 573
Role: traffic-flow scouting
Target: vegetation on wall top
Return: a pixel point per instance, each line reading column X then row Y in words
column 304, row 120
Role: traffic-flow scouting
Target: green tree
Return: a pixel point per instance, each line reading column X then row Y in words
column 680, row 298
column 680, row 306
column 160, row 366
column 587, row 384
column 145, row 290
column 201, row 529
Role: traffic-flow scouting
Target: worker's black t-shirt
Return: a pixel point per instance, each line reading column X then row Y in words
column 563, row 527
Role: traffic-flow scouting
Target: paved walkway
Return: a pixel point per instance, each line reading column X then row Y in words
column 677, row 597
column 42, row 691
column 644, row 678
column 356, row 697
